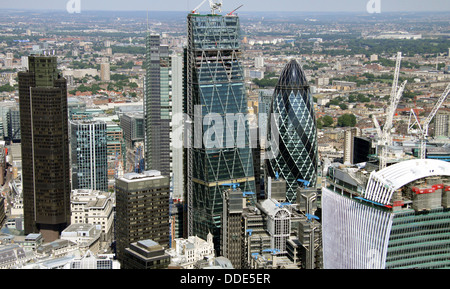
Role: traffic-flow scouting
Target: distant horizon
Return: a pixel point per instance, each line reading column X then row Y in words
column 223, row 12
column 296, row 6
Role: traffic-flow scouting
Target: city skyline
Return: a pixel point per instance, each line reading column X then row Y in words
column 261, row 134
column 229, row 5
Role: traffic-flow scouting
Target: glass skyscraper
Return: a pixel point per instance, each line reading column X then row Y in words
column 218, row 151
column 89, row 153
column 293, row 108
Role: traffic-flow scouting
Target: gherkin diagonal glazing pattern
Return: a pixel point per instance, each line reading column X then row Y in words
column 292, row 104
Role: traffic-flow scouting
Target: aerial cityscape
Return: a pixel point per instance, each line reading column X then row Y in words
column 219, row 135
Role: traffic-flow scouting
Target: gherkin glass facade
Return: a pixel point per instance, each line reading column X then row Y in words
column 293, row 108
column 214, row 91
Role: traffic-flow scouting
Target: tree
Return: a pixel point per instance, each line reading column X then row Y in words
column 347, row 120
column 327, row 121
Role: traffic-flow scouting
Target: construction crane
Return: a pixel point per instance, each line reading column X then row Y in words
column 377, row 125
column 423, row 129
column 194, row 11
column 384, row 135
column 231, row 13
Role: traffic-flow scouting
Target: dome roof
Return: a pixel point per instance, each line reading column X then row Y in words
column 292, row 76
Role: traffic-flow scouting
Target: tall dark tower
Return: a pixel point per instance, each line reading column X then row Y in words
column 157, row 105
column 214, row 89
column 45, row 148
column 295, row 121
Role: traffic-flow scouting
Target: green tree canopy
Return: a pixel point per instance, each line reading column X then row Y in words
column 347, row 119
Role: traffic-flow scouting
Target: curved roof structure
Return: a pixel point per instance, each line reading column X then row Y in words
column 292, row 75
column 382, row 184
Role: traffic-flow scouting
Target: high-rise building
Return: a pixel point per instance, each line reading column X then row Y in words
column 142, row 209
column 176, row 147
column 157, row 105
column 397, row 217
column 14, row 124
column 232, row 226
column 349, row 147
column 442, row 124
column 45, row 148
column 293, row 109
column 105, row 73
column 89, row 155
column 214, row 93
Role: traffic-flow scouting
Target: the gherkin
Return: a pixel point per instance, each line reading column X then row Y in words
column 293, row 108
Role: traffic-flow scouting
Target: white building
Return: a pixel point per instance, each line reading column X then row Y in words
column 387, row 219
column 186, row 252
column 87, row 236
column 96, row 208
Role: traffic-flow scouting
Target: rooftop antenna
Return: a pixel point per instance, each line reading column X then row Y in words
column 147, row 20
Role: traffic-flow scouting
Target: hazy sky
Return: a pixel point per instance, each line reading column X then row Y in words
column 228, row 5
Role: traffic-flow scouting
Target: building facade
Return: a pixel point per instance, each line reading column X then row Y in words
column 157, row 105
column 142, row 209
column 214, row 89
column 295, row 121
column 96, row 208
column 89, row 155
column 397, row 217
column 45, row 148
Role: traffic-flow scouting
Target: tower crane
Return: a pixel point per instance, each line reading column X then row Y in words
column 423, row 129
column 196, row 8
column 384, row 135
column 231, row 13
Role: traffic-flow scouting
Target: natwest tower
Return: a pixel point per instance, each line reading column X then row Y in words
column 45, row 148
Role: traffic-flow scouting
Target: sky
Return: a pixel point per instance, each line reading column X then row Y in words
column 229, row 5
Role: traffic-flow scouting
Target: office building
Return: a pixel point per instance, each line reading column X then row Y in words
column 184, row 253
column 133, row 126
column 349, row 144
column 96, row 208
column 45, row 148
column 89, row 155
column 105, row 73
column 145, row 254
column 177, row 168
column 13, row 119
column 232, row 226
column 397, row 217
column 157, row 105
column 142, row 209
column 442, row 124
column 214, row 87
column 293, row 108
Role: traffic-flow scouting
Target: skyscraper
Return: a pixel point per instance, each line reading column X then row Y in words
column 45, row 148
column 89, row 155
column 214, row 90
column 157, row 105
column 398, row 217
column 293, row 109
